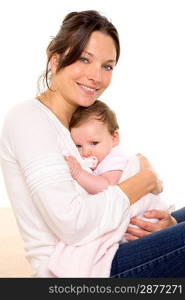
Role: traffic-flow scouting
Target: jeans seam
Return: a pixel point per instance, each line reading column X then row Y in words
column 153, row 260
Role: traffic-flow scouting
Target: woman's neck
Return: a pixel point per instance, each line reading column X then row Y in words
column 61, row 108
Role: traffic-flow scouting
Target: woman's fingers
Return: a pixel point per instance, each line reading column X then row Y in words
column 164, row 217
column 134, row 233
column 157, row 214
column 158, row 187
column 129, row 237
column 144, row 163
column 137, row 232
column 144, row 226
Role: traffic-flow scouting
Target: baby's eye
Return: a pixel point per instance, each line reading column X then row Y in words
column 108, row 67
column 94, row 143
column 84, row 59
column 78, row 146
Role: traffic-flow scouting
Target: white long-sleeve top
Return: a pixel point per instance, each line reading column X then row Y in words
column 48, row 204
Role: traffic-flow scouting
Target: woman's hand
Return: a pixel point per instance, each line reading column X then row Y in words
column 144, row 182
column 146, row 227
column 145, row 164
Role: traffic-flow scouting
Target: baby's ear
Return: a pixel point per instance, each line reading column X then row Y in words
column 115, row 137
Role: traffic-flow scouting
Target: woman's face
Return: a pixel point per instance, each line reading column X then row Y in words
column 82, row 82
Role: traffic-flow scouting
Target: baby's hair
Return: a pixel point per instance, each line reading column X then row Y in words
column 99, row 111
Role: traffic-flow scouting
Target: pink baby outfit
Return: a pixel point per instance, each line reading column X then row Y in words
column 93, row 259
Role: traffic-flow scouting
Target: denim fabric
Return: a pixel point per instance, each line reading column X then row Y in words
column 179, row 215
column 160, row 254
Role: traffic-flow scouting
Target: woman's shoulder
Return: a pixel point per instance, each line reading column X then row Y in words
column 33, row 116
column 25, row 112
column 26, row 106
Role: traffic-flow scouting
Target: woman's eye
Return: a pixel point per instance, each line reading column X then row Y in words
column 84, row 59
column 78, row 146
column 108, row 67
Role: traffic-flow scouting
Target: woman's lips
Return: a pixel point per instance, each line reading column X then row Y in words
column 88, row 90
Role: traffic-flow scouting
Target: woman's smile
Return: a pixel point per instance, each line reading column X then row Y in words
column 87, row 89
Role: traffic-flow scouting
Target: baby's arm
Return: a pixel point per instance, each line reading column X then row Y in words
column 91, row 183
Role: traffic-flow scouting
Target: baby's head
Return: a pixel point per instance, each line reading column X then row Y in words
column 94, row 130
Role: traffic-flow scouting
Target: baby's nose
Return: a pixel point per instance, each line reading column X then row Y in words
column 86, row 152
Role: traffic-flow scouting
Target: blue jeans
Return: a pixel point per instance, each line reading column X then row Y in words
column 160, row 254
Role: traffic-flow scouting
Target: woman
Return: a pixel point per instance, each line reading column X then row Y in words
column 48, row 204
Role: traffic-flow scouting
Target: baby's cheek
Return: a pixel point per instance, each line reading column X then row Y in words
column 104, row 153
column 98, row 155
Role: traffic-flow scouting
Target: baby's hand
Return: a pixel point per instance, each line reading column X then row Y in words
column 74, row 166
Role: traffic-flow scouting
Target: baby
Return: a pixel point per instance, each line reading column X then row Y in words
column 94, row 130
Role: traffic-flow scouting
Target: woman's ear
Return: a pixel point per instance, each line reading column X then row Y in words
column 54, row 63
column 115, row 137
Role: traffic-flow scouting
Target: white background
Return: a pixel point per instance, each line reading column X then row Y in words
column 148, row 87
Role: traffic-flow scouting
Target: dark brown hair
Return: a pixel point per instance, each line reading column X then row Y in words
column 74, row 34
column 100, row 111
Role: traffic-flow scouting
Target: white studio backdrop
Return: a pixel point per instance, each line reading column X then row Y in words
column 147, row 91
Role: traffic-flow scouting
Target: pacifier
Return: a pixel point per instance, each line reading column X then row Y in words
column 90, row 162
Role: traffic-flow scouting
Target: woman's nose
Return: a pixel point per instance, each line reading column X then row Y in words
column 95, row 74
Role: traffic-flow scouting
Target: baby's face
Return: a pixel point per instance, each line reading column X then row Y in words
column 92, row 138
